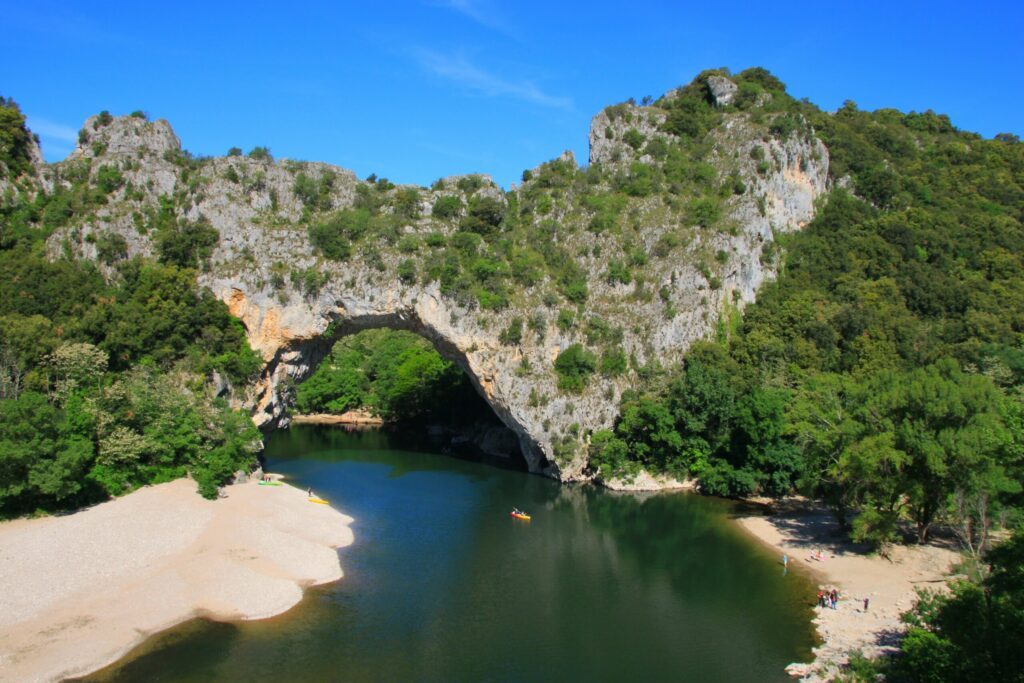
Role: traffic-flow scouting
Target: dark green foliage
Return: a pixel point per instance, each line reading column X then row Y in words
column 484, row 216
column 690, row 113
column 407, row 271
column 14, row 140
column 78, row 443
column 574, row 367
column 111, row 248
column 971, row 634
column 613, row 362
column 407, row 203
column 881, row 371
column 334, row 235
column 633, row 138
column 309, row 281
column 108, row 179
column 315, row 194
column 184, row 243
column 447, row 206
column 397, row 375
column 470, row 184
column 260, row 154
column 513, row 334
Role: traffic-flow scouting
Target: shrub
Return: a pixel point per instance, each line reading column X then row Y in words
column 407, row 203
column 334, row 236
column 261, row 154
column 484, row 216
column 574, row 366
column 108, row 179
column 633, row 138
column 513, row 334
column 111, row 247
column 470, row 184
column 613, row 362
column 407, row 271
column 447, row 206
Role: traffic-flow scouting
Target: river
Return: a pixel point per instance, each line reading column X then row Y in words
column 442, row 584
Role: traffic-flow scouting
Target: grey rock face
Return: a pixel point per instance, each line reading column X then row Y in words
column 684, row 289
column 125, row 135
column 609, row 129
column 722, row 90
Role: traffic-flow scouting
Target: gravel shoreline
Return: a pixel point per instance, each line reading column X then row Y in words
column 888, row 583
column 81, row 590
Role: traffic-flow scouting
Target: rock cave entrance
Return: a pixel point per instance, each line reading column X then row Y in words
column 417, row 381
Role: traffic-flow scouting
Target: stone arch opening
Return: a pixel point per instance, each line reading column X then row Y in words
column 297, row 360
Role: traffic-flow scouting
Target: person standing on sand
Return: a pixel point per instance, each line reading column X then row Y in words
column 835, row 598
column 865, row 604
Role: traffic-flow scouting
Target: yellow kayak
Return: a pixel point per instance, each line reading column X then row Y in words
column 520, row 515
column 317, row 500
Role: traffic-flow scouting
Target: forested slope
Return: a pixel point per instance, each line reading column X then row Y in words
column 103, row 381
column 882, row 370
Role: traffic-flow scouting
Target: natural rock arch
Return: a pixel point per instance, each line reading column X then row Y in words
column 298, row 360
column 690, row 275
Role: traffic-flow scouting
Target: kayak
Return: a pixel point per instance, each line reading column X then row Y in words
column 520, row 515
column 317, row 500
column 269, row 483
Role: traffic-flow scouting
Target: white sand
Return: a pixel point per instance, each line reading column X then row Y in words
column 81, row 590
column 889, row 584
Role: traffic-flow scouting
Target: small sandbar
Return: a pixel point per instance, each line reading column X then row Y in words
column 81, row 590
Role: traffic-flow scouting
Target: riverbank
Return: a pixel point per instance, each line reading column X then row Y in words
column 352, row 417
column 81, row 590
column 889, row 584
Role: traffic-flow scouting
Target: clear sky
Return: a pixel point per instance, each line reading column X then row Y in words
column 419, row 89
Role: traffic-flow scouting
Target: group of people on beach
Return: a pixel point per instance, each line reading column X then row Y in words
column 828, row 598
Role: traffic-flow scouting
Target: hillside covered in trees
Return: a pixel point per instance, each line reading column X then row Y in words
column 880, row 371
column 103, row 380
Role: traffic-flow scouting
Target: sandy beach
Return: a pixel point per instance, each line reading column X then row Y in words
column 80, row 590
column 888, row 583
column 352, row 417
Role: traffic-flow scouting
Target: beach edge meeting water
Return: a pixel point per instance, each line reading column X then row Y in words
column 873, row 590
column 81, row 590
column 126, row 570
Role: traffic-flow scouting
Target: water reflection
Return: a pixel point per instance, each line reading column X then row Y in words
column 442, row 584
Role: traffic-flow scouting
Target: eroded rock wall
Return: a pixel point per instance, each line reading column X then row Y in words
column 683, row 289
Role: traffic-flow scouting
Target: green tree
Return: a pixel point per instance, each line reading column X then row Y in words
column 574, row 367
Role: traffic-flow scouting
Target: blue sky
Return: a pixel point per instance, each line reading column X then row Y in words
column 421, row 89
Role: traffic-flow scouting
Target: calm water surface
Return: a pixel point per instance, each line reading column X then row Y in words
column 442, row 585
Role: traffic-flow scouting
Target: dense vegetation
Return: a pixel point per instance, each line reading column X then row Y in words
column 882, row 370
column 396, row 375
column 103, row 377
column 972, row 633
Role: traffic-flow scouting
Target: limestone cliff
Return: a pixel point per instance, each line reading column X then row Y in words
column 685, row 269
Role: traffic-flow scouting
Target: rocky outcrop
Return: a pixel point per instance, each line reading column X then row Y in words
column 132, row 135
column 723, row 91
column 295, row 304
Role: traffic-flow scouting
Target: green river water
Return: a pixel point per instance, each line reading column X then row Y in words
column 442, row 585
